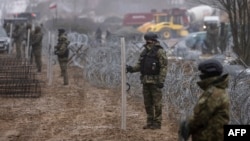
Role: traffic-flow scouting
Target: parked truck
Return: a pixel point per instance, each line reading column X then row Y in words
column 197, row 14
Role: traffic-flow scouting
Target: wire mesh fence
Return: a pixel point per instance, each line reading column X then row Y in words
column 18, row 78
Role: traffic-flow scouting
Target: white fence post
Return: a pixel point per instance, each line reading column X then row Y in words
column 123, row 72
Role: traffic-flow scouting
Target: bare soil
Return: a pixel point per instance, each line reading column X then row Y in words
column 77, row 112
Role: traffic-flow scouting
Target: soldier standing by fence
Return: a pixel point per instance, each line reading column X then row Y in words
column 18, row 38
column 62, row 51
column 153, row 67
column 36, row 51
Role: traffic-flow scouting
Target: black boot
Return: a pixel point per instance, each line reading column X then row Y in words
column 147, row 126
column 156, row 126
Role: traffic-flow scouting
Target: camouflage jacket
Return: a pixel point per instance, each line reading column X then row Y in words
column 36, row 40
column 62, row 46
column 163, row 62
column 211, row 112
column 18, row 34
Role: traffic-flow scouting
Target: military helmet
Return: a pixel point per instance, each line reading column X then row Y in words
column 151, row 36
column 210, row 67
column 61, row 30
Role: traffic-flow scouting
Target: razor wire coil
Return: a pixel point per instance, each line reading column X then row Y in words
column 102, row 68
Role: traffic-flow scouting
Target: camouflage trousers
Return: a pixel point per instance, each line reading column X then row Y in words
column 23, row 49
column 18, row 49
column 63, row 62
column 37, row 54
column 153, row 103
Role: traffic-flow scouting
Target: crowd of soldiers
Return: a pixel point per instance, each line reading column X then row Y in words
column 26, row 47
column 27, row 41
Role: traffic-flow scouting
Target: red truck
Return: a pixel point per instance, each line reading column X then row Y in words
column 137, row 19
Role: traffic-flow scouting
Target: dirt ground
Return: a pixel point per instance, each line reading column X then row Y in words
column 77, row 112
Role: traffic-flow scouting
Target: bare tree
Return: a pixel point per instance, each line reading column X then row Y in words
column 239, row 17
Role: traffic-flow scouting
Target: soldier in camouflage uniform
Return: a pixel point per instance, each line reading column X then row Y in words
column 152, row 65
column 211, row 112
column 18, row 38
column 36, row 51
column 62, row 51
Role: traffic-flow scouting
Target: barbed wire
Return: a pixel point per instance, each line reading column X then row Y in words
column 101, row 64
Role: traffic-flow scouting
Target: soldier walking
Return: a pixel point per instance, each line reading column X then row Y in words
column 62, row 51
column 152, row 65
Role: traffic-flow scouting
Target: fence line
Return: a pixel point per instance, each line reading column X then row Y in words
column 102, row 68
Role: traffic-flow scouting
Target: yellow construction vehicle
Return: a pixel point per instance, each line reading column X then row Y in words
column 167, row 24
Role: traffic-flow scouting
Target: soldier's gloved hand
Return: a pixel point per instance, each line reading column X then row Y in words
column 160, row 85
column 129, row 68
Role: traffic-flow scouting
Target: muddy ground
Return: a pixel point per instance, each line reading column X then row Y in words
column 77, row 112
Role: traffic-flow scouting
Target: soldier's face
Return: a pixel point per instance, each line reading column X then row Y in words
column 149, row 41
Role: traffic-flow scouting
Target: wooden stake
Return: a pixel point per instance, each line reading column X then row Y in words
column 123, row 73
